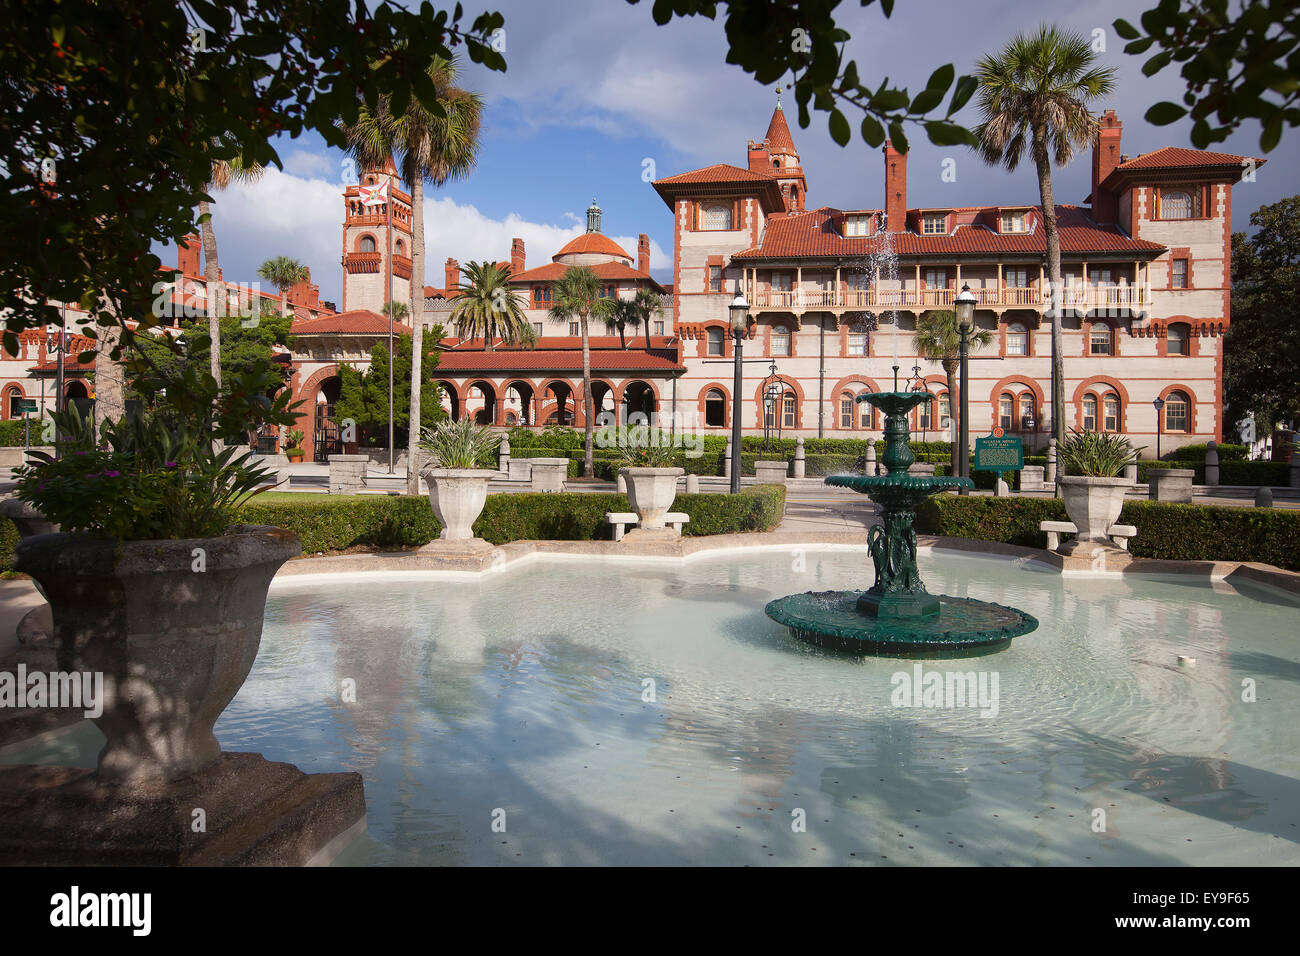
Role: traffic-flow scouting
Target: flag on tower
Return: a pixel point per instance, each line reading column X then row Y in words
column 373, row 195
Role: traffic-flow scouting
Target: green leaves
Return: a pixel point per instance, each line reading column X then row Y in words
column 1162, row 114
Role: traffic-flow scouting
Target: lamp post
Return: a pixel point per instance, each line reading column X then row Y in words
column 1159, row 404
column 738, row 312
column 964, row 307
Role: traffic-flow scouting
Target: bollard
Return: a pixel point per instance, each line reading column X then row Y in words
column 692, row 484
column 1049, row 476
column 800, row 462
column 726, row 461
column 1264, row 497
column 503, row 455
column 1212, row 462
column 1000, row 490
column 871, row 459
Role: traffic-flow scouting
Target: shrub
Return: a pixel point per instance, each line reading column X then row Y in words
column 1197, row 453
column 1171, row 531
column 460, row 444
column 1095, row 454
column 12, row 434
column 819, row 465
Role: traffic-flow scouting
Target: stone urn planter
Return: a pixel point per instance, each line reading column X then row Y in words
column 172, row 625
column 457, row 496
column 651, row 492
column 1093, row 504
column 27, row 519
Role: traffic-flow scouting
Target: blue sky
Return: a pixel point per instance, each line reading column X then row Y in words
column 595, row 92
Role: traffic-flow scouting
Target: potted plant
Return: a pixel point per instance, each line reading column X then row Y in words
column 295, row 450
column 651, row 482
column 1091, row 464
column 458, row 479
column 152, row 582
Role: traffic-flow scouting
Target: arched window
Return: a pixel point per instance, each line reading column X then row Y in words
column 1090, row 413
column 790, row 411
column 1006, row 410
column 1017, row 339
column 715, row 341
column 367, row 244
column 1100, row 340
column 715, row 408
column 780, row 341
column 716, row 217
column 400, row 247
column 1176, row 409
column 1110, row 406
column 1178, row 341
column 1027, row 409
column 866, row 414
column 846, row 410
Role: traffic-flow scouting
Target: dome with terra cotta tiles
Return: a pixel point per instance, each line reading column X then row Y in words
column 592, row 247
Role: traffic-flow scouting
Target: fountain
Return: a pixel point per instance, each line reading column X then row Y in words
column 897, row 616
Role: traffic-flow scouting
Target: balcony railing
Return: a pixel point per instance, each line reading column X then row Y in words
column 359, row 262
column 1077, row 297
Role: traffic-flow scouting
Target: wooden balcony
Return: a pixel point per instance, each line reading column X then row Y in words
column 1079, row 297
column 362, row 262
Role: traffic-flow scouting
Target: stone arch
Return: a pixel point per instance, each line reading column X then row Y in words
column 7, row 396
column 845, row 384
column 791, row 384
column 1191, row 407
column 1015, row 384
column 1099, row 385
column 306, row 394
column 726, row 404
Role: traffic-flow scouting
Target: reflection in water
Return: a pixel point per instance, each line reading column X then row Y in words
column 630, row 714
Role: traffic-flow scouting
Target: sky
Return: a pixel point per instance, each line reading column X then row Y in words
column 597, row 101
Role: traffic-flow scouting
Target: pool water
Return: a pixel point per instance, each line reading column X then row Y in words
column 567, row 712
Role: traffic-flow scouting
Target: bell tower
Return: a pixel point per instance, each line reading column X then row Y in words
column 376, row 240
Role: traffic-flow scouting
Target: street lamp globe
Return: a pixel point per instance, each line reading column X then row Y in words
column 964, row 306
column 739, row 312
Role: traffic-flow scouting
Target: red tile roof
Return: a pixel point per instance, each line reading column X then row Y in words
column 1174, row 157
column 812, row 235
column 778, row 132
column 356, row 322
column 592, row 242
column 720, row 173
column 566, row 342
column 721, row 178
column 605, row 270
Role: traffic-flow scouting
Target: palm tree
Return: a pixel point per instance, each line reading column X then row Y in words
column 1034, row 97
column 398, row 310
column 937, row 339
column 434, row 148
column 623, row 313
column 648, row 303
column 577, row 293
column 283, row 272
column 487, row 306
column 224, row 172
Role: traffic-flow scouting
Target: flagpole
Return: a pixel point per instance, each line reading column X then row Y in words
column 388, row 299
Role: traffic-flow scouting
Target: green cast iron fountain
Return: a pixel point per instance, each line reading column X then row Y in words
column 897, row 615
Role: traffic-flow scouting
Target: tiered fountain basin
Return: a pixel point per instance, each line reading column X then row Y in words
column 897, row 616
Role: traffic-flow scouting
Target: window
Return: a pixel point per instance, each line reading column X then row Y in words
column 934, row 224
column 573, row 328
column 1027, row 409
column 846, row 410
column 1014, row 222
column 715, row 408
column 1178, row 342
column 400, row 248
column 1017, row 339
column 1180, row 203
column 715, row 342
column 14, row 398
column 856, row 225
column 1016, row 278
column 945, row 412
column 1006, row 411
column 936, row 278
column 780, row 341
column 1099, row 341
column 788, row 408
column 537, row 327
column 865, row 413
column 1090, row 413
column 542, row 296
column 715, row 217
column 857, row 343
column 1178, row 274
column 715, row 278
column 858, row 281
column 659, row 327
column 781, row 282
column 1099, row 276
column 608, row 292
column 1111, row 405
column 367, row 244
column 924, row 419
column 1176, row 412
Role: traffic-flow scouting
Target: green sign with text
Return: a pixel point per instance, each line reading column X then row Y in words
column 998, row 454
column 26, row 404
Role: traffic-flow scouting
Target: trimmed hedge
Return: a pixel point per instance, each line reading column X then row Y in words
column 1197, row 453
column 1171, row 531
column 1255, row 473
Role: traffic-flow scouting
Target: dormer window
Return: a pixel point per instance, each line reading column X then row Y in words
column 934, row 224
column 1183, row 202
column 716, row 217
column 1015, row 222
column 857, row 225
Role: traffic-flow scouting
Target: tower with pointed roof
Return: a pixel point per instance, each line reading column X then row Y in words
column 775, row 156
column 376, row 240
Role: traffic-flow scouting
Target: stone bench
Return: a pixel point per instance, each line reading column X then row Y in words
column 1119, row 533
column 621, row 519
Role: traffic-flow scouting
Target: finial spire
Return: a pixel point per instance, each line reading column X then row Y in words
column 778, row 97
column 593, row 216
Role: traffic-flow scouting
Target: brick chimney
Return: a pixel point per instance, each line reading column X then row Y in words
column 188, row 251
column 303, row 293
column 516, row 256
column 1105, row 157
column 453, row 273
column 895, row 189
column 760, row 158
column 643, row 253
